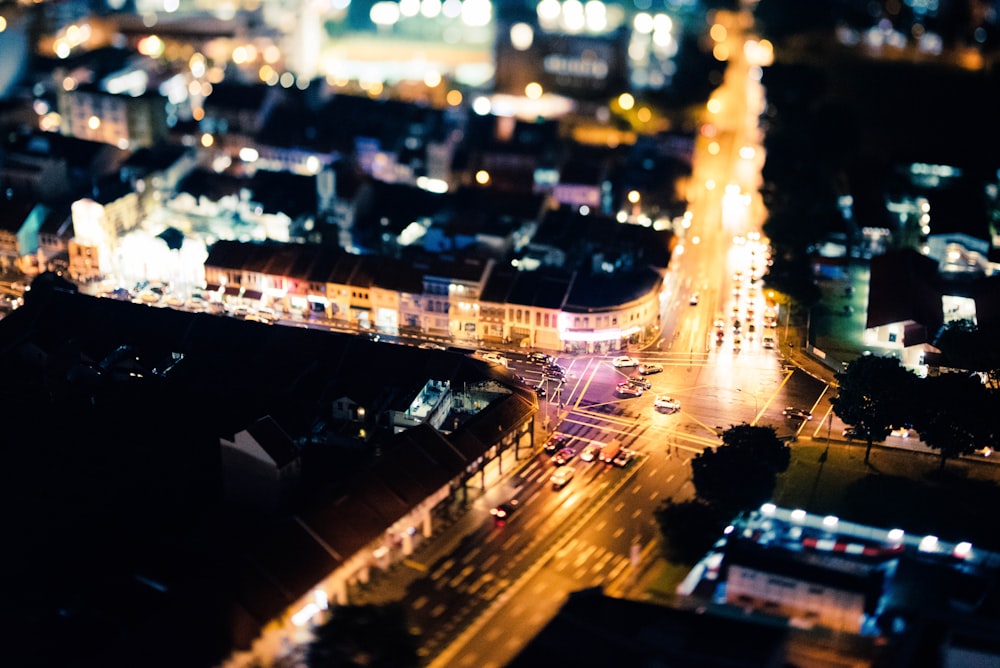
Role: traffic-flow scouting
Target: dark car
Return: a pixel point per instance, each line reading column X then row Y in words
column 628, row 390
column 555, row 443
column 792, row 413
column 539, row 358
column 647, row 368
column 502, row 512
column 540, row 390
column 563, row 456
column 640, row 382
column 554, row 370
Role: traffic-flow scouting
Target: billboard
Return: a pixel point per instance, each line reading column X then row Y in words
column 576, row 66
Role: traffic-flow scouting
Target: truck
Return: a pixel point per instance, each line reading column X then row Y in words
column 610, row 451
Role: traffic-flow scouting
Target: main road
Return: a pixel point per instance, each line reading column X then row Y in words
column 508, row 581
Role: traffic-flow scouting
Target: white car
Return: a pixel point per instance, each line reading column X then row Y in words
column 589, row 453
column 561, row 476
column 495, row 358
column 665, row 403
column 624, row 361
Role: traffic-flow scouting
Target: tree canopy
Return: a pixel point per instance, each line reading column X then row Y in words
column 870, row 397
column 689, row 529
column 955, row 414
column 740, row 474
column 375, row 636
column 965, row 346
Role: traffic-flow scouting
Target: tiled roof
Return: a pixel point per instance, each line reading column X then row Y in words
column 275, row 442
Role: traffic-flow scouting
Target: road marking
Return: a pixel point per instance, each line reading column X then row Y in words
column 415, row 565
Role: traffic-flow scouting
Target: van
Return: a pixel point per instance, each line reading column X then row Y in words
column 767, row 341
column 610, row 451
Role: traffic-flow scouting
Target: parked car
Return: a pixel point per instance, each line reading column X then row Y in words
column 666, row 403
column 555, row 443
column 647, row 368
column 793, row 413
column 589, row 453
column 627, row 389
column 563, row 456
column 561, row 476
column 540, row 390
column 695, row 298
column 624, row 361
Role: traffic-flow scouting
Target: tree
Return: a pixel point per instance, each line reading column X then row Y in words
column 375, row 636
column 965, row 346
column 956, row 414
column 741, row 473
column 871, row 395
column 689, row 529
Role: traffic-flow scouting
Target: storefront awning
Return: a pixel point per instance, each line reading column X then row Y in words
column 212, row 287
column 232, row 290
column 252, row 294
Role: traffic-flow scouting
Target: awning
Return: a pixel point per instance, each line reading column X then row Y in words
column 252, row 294
column 212, row 287
column 232, row 290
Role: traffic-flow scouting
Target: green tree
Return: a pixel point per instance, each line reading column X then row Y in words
column 965, row 346
column 871, row 397
column 689, row 529
column 955, row 416
column 741, row 473
column 375, row 636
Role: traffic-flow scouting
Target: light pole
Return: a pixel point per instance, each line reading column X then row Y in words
column 755, row 404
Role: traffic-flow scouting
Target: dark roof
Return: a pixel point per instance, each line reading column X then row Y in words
column 238, row 96
column 14, row 212
column 595, row 630
column 903, row 285
column 471, row 269
column 58, row 220
column 154, row 159
column 582, row 237
column 283, row 192
column 275, row 442
column 544, row 288
column 227, row 375
column 207, row 183
column 601, row 291
column 399, row 276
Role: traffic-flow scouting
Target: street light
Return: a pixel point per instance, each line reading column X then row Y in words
column 755, row 404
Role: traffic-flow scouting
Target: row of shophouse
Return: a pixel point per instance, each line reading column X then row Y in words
column 461, row 300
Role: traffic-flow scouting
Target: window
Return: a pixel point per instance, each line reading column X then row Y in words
column 538, row 319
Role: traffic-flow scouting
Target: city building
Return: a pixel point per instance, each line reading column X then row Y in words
column 824, row 575
column 281, row 465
